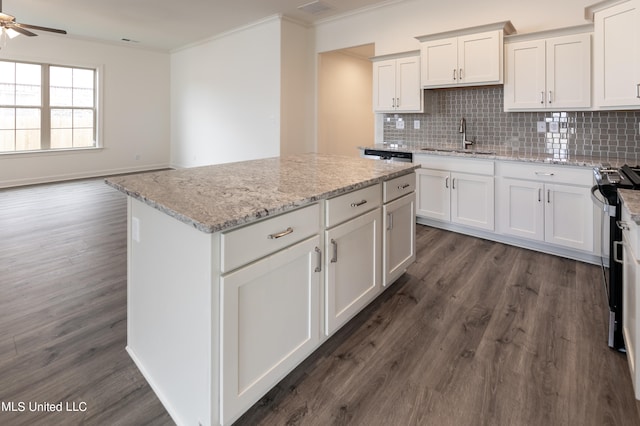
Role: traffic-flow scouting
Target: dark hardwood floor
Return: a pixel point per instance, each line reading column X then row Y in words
column 475, row 333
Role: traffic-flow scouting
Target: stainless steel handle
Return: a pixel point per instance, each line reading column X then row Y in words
column 548, row 196
column 542, row 97
column 622, row 225
column 446, row 182
column 543, row 174
column 549, row 98
column 617, row 244
column 453, row 183
column 393, row 102
column 454, row 73
column 460, row 74
column 334, row 257
column 281, row 234
column 358, row 204
column 638, row 90
column 390, row 222
column 319, row 254
column 397, row 102
column 405, row 186
column 539, row 194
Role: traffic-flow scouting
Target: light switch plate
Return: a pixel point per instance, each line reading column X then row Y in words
column 554, row 126
column 542, row 127
column 400, row 124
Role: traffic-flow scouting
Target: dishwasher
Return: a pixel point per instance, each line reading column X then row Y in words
column 378, row 154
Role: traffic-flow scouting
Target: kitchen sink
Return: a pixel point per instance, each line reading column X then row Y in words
column 459, row 151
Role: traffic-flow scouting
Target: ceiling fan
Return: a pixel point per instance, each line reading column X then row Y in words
column 8, row 22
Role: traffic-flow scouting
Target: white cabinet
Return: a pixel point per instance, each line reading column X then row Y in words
column 463, row 58
column 616, row 54
column 449, row 195
column 554, row 208
column 353, row 247
column 548, row 73
column 396, row 84
column 398, row 212
column 270, row 322
column 631, row 296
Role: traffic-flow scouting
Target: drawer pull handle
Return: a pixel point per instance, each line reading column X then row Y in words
column 405, row 186
column 359, row 203
column 319, row 254
column 616, row 246
column 334, row 258
column 544, row 174
column 539, row 194
column 638, row 90
column 548, row 196
column 622, row 225
column 287, row 231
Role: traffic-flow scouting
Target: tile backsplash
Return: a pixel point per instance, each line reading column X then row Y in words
column 604, row 134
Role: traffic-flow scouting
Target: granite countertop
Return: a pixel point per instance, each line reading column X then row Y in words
column 631, row 200
column 500, row 152
column 219, row 197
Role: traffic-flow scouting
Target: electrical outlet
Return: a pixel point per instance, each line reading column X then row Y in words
column 416, row 124
column 554, row 126
column 542, row 127
column 400, row 124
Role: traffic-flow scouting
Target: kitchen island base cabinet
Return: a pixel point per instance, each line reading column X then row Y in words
column 399, row 237
column 270, row 323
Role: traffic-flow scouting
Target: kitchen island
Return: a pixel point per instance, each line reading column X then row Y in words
column 237, row 272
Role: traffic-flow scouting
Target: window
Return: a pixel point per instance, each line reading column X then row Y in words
column 46, row 107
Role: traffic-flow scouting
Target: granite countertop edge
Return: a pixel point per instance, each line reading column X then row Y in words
column 631, row 201
column 257, row 213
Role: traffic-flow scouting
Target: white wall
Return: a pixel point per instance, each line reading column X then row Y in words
column 393, row 27
column 345, row 115
column 135, row 111
column 225, row 97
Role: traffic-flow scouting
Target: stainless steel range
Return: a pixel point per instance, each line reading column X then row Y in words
column 608, row 180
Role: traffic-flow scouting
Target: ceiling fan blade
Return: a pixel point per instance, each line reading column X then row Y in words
column 20, row 30
column 36, row 27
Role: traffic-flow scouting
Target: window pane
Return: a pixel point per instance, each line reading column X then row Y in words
column 83, row 118
column 27, row 140
column 7, row 72
column 28, row 84
column 7, row 140
column 7, row 118
column 61, row 138
column 83, row 78
column 83, row 97
column 27, row 118
column 60, row 76
column 83, row 138
column 61, row 96
column 7, row 94
column 61, row 118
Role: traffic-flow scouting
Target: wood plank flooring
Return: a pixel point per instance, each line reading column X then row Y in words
column 475, row 333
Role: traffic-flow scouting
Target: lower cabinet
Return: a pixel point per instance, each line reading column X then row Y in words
column 554, row 213
column 270, row 322
column 461, row 198
column 353, row 270
column 399, row 237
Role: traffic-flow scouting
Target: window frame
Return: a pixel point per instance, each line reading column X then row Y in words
column 45, row 108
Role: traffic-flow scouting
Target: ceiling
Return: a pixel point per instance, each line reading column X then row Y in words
column 165, row 24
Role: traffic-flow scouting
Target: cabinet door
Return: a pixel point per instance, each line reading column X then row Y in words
column 353, row 268
column 472, row 200
column 617, row 56
column 629, row 311
column 408, row 87
column 569, row 216
column 384, row 85
column 480, row 58
column 399, row 242
column 521, row 208
column 270, row 322
column 439, row 62
column 434, row 199
column 524, row 84
column 569, row 71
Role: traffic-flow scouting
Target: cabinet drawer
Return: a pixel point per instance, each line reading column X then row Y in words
column 347, row 206
column 243, row 245
column 632, row 232
column 546, row 173
column 396, row 188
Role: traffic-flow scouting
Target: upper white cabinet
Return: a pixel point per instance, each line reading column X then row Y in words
column 469, row 57
column 548, row 73
column 396, row 83
column 616, row 53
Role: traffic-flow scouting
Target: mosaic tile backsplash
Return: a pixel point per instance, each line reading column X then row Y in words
column 608, row 134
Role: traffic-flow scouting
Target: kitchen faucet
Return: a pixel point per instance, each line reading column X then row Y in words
column 463, row 130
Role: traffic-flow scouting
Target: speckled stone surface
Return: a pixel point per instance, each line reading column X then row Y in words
column 499, row 152
column 631, row 200
column 219, row 197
